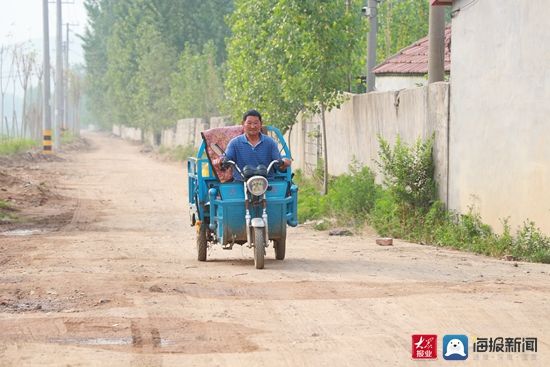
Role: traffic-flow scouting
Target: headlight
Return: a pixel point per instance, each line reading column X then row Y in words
column 257, row 185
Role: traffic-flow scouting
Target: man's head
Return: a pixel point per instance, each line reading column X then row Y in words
column 252, row 123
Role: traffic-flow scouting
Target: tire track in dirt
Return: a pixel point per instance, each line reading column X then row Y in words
column 135, row 335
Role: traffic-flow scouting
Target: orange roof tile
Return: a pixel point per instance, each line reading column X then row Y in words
column 414, row 58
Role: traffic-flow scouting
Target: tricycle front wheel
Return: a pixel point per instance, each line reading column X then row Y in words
column 202, row 242
column 259, row 247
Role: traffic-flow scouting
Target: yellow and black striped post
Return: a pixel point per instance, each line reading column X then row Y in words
column 47, row 142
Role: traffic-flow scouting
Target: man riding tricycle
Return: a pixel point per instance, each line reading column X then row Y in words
column 242, row 191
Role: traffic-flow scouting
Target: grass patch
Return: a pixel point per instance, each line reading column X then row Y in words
column 6, row 214
column 67, row 137
column 7, row 217
column 5, row 205
column 13, row 146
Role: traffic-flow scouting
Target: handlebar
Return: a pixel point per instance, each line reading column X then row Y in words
column 277, row 163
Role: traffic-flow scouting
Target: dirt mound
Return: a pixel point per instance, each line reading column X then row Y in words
column 28, row 194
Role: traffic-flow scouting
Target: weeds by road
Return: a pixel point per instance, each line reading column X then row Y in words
column 406, row 207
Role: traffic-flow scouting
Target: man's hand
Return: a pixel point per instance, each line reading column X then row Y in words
column 220, row 163
column 217, row 162
column 284, row 163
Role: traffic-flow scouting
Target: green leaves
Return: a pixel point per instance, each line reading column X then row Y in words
column 408, row 172
column 401, row 22
column 132, row 49
column 155, row 63
column 197, row 89
column 288, row 55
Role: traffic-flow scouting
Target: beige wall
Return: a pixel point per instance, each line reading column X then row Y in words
column 184, row 132
column 353, row 129
column 393, row 82
column 127, row 133
column 500, row 111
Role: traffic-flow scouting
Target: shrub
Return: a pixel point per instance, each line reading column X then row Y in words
column 465, row 231
column 404, row 209
column 408, row 172
column 311, row 203
column 352, row 196
column 385, row 216
column 530, row 244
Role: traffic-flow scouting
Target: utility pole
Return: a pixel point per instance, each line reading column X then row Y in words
column 59, row 79
column 436, row 44
column 69, row 117
column 46, row 113
column 348, row 5
column 372, row 13
column 66, row 79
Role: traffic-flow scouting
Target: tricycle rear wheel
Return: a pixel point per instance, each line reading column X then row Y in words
column 280, row 247
column 202, row 242
column 259, row 247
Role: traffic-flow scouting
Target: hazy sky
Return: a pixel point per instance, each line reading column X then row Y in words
column 21, row 20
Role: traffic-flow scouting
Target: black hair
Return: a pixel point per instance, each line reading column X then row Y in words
column 252, row 113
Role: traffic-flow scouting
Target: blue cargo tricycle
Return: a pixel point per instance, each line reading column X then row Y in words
column 254, row 211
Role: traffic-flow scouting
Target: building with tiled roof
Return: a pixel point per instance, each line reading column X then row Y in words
column 409, row 67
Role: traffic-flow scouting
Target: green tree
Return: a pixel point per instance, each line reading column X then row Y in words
column 156, row 62
column 120, row 55
column 194, row 22
column 253, row 79
column 100, row 22
column 401, row 22
column 197, row 89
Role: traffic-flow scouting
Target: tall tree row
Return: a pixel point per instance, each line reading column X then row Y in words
column 151, row 62
column 132, row 53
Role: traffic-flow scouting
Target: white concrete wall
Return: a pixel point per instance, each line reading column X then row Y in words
column 184, row 132
column 127, row 133
column 168, row 137
column 500, row 111
column 353, row 129
column 187, row 131
column 220, row 121
column 116, row 130
column 386, row 83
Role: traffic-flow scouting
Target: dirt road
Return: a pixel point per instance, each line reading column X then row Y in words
column 119, row 285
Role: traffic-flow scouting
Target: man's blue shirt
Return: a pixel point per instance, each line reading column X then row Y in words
column 243, row 153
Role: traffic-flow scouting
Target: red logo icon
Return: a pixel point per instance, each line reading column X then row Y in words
column 424, row 346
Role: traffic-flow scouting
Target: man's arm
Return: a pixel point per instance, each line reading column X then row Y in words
column 275, row 154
